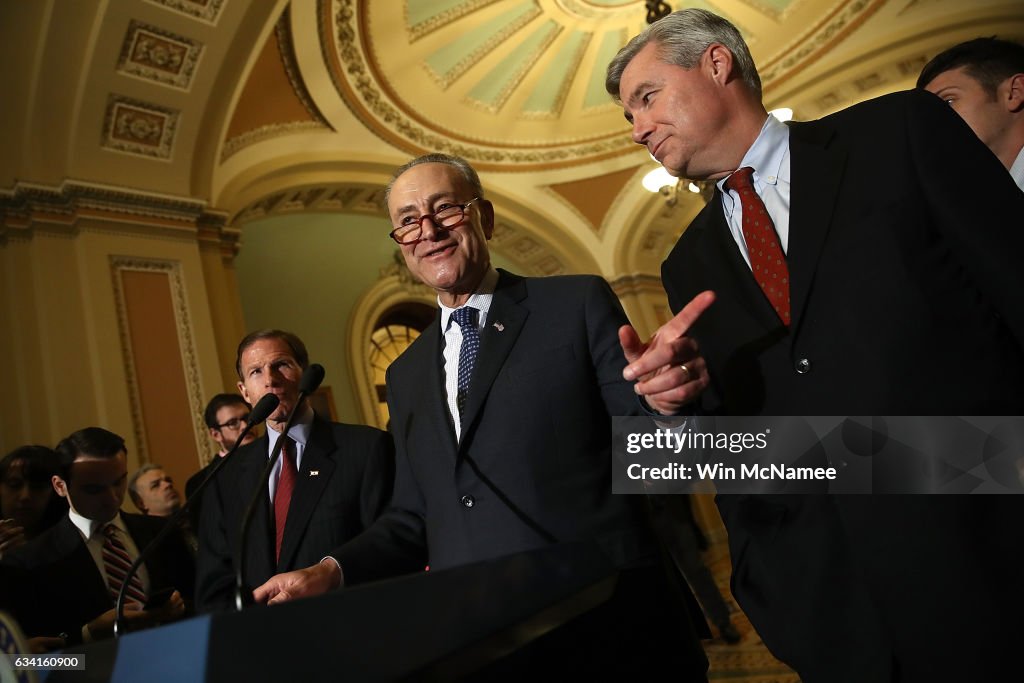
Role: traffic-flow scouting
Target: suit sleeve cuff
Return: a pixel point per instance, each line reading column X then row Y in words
column 341, row 572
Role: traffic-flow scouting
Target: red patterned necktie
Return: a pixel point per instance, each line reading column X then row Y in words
column 767, row 261
column 283, row 494
column 117, row 562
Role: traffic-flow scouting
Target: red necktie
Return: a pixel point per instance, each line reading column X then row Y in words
column 767, row 261
column 117, row 562
column 283, row 494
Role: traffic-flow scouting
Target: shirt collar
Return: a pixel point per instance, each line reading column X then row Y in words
column 88, row 527
column 480, row 299
column 1017, row 170
column 767, row 155
column 299, row 431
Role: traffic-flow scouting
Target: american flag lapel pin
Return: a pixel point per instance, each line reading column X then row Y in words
column 499, row 327
column 314, row 473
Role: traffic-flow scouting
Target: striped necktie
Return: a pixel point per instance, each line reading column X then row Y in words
column 117, row 562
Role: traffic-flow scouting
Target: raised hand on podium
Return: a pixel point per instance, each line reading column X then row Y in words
column 301, row 583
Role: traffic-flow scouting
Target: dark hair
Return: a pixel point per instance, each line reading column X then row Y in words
column 989, row 61
column 458, row 163
column 92, row 441
column 39, row 464
column 218, row 402
column 293, row 342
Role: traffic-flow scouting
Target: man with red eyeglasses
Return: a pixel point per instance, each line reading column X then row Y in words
column 501, row 412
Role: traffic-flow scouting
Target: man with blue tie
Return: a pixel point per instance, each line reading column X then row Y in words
column 501, row 412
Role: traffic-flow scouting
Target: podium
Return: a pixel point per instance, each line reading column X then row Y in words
column 435, row 625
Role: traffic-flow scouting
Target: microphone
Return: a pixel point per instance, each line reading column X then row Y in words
column 310, row 382
column 311, row 379
column 260, row 412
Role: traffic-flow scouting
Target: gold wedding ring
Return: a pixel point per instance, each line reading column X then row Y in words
column 686, row 371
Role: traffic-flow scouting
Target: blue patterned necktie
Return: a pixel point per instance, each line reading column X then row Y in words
column 466, row 318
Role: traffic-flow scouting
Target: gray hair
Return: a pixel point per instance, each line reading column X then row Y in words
column 134, row 480
column 682, row 37
column 458, row 163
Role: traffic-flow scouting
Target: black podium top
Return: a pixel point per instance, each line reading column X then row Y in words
column 430, row 626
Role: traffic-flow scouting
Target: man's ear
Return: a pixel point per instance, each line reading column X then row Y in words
column 137, row 500
column 487, row 217
column 60, row 486
column 717, row 61
column 1014, row 98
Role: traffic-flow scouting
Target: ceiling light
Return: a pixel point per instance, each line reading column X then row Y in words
column 657, row 179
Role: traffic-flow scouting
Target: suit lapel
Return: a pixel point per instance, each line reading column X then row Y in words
column 68, row 543
column 817, row 171
column 319, row 457
column 505, row 321
column 736, row 277
column 423, row 378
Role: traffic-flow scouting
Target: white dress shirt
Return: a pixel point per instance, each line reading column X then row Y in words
column 1017, row 170
column 93, row 537
column 480, row 300
column 300, row 435
column 769, row 157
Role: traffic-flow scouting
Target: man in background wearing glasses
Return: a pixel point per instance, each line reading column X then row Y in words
column 225, row 416
column 501, row 413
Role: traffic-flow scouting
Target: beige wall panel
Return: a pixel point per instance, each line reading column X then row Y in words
column 15, row 381
column 226, row 313
column 44, row 329
column 160, row 375
column 104, row 250
column 58, row 311
column 24, row 414
column 61, row 321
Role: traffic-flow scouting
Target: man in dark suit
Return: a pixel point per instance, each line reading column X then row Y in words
column 501, row 412
column 891, row 290
column 226, row 416
column 983, row 81
column 73, row 571
column 337, row 477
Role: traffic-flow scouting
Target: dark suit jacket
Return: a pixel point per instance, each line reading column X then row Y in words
column 195, row 512
column 907, row 299
column 67, row 590
column 534, row 462
column 354, row 468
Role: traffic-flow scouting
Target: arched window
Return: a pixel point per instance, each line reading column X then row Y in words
column 386, row 319
column 394, row 331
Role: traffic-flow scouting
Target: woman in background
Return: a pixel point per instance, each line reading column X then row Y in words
column 28, row 503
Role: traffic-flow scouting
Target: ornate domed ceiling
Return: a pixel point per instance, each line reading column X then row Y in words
column 521, row 82
column 244, row 109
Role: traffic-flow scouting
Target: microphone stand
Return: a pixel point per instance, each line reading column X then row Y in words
column 264, row 407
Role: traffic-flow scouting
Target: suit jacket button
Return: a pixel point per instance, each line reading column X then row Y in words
column 803, row 366
column 467, row 501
